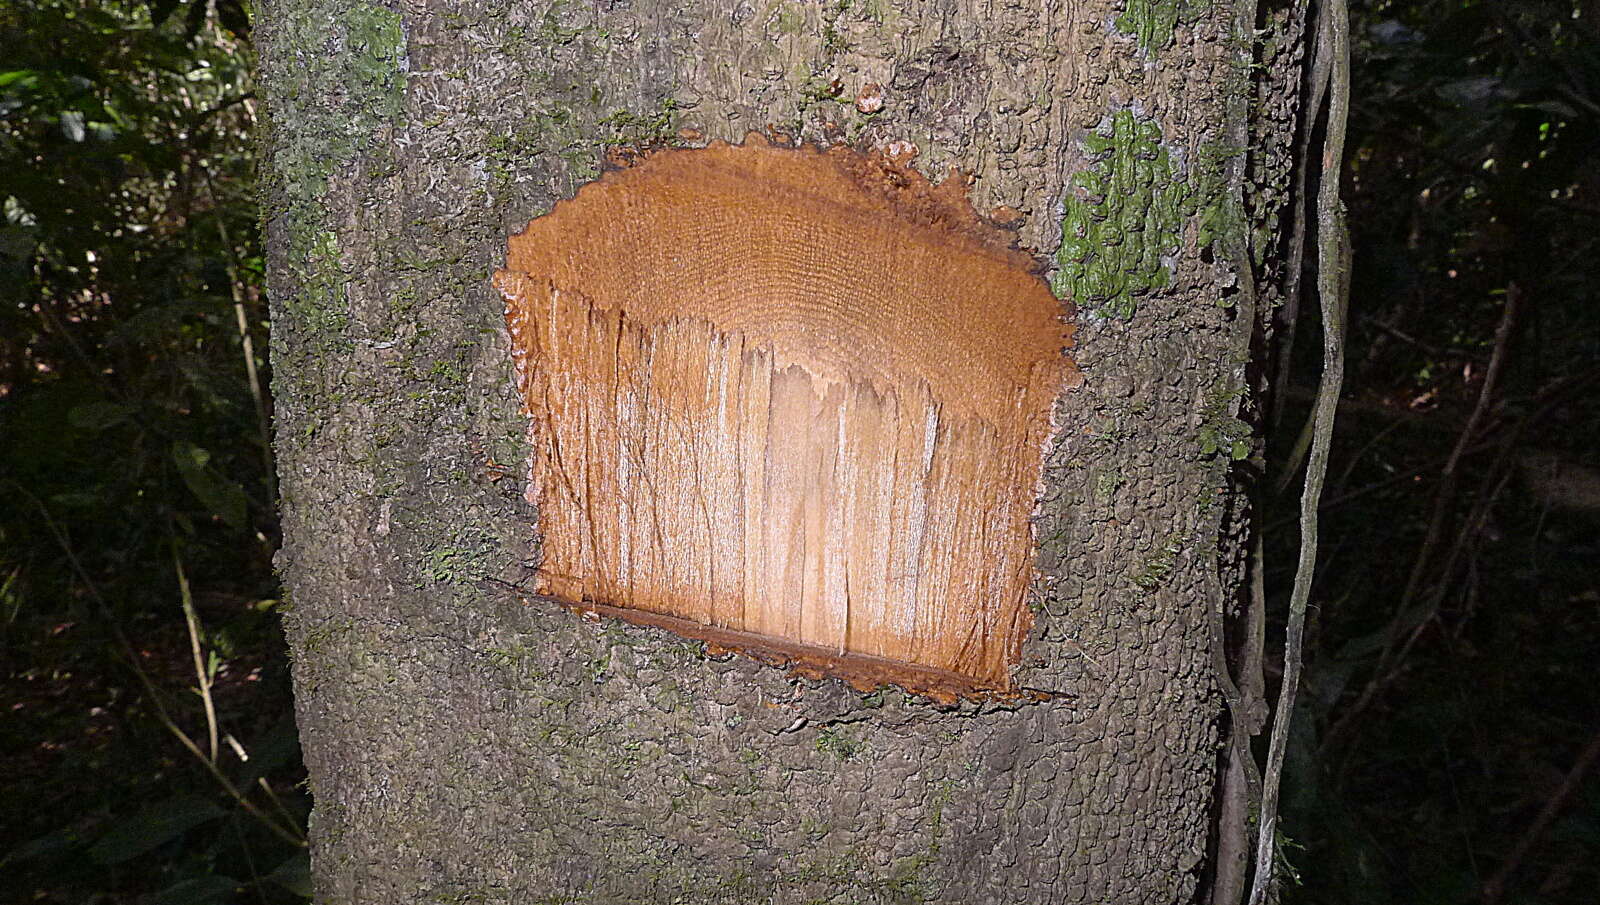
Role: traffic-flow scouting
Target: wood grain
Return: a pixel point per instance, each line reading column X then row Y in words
column 793, row 393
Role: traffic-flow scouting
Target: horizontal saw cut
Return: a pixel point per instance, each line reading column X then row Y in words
column 791, row 395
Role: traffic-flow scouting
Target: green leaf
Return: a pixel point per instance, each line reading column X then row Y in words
column 97, row 416
column 45, row 848
column 16, row 75
column 213, row 890
column 223, row 497
column 294, row 874
column 135, row 835
column 280, row 745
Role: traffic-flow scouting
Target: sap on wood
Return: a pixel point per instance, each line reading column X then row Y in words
column 790, row 399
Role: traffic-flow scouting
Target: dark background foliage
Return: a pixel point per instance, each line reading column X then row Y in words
column 1445, row 740
column 133, row 420
column 1446, row 737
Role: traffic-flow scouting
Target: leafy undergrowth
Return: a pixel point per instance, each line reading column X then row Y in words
column 105, row 803
column 1449, row 725
column 149, row 751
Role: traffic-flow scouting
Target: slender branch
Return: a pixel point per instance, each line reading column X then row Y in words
column 1495, row 888
column 1333, row 282
column 234, row 100
column 1294, row 269
column 1241, row 779
column 1548, row 400
column 1411, row 619
column 1240, row 791
column 201, row 674
column 277, row 802
column 250, row 861
column 258, row 395
column 289, row 833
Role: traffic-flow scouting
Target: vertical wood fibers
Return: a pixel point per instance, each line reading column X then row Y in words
column 799, row 394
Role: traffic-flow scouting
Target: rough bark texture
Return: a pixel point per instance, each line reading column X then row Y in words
column 468, row 743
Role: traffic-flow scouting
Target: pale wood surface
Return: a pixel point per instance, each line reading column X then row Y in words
column 794, row 393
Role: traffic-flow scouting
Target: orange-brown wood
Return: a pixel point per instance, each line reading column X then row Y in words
column 789, row 393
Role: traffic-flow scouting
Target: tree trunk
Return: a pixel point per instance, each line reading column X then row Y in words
column 468, row 741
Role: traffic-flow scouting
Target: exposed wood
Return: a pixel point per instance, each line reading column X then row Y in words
column 535, row 755
column 793, row 393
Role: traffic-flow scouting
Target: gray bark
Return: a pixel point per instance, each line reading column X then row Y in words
column 467, row 743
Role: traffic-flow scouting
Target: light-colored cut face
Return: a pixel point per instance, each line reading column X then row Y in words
column 798, row 394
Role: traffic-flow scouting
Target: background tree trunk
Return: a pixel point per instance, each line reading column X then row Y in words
column 468, row 743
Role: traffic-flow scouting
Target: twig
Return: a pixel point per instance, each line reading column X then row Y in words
column 1408, row 339
column 1297, row 243
column 277, row 802
column 1444, row 497
column 1240, row 794
column 201, row 674
column 258, row 396
column 1333, row 283
column 1297, row 455
column 200, row 116
column 249, row 860
column 1495, row 888
column 1548, row 400
column 290, row 833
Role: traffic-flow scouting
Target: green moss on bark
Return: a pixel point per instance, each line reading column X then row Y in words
column 1154, row 21
column 1125, row 214
column 1122, row 215
column 362, row 49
